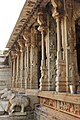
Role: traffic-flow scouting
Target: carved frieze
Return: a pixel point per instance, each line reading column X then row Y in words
column 64, row 106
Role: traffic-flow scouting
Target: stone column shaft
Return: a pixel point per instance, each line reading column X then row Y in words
column 58, row 53
column 34, row 60
column 67, row 54
column 21, row 69
column 14, row 73
column 28, row 68
column 60, row 62
column 63, row 39
column 25, row 63
column 58, row 39
column 44, row 70
column 17, row 71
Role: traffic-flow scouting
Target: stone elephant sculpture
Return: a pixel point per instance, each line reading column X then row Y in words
column 15, row 100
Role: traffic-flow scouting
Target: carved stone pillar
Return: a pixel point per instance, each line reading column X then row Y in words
column 42, row 20
column 13, row 83
column 21, row 64
column 17, row 70
column 25, row 64
column 13, row 69
column 28, row 67
column 66, row 53
column 26, row 36
column 60, row 62
column 58, row 14
column 51, row 39
column 12, row 72
column 12, row 80
column 34, row 60
column 71, row 57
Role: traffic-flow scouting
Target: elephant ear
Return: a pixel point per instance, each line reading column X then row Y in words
column 12, row 96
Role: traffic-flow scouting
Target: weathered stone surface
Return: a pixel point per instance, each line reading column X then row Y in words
column 30, row 116
column 5, row 77
column 57, row 56
column 45, row 113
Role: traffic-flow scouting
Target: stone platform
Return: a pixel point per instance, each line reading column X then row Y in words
column 6, row 117
column 28, row 116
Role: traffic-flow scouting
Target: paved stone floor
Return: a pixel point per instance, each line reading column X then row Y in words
column 5, row 117
column 29, row 116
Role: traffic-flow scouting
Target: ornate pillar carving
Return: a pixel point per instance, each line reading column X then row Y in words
column 71, row 43
column 51, row 39
column 34, row 59
column 17, row 71
column 67, row 55
column 25, row 64
column 21, row 44
column 11, row 55
column 17, row 64
column 26, row 36
column 58, row 14
column 13, row 69
column 42, row 20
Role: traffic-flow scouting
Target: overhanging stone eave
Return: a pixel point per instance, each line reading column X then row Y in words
column 25, row 13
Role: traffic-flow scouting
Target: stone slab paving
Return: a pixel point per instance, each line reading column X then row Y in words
column 5, row 117
column 15, row 118
column 29, row 116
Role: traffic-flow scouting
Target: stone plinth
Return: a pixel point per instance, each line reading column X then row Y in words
column 29, row 116
column 60, row 104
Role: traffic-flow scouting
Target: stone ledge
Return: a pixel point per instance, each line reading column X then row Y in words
column 45, row 113
column 72, row 98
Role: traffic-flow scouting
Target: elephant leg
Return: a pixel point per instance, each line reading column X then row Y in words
column 22, row 108
column 11, row 108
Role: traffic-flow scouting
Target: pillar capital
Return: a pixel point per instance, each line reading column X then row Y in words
column 13, row 54
column 58, row 8
column 42, row 20
column 26, row 36
column 21, row 43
